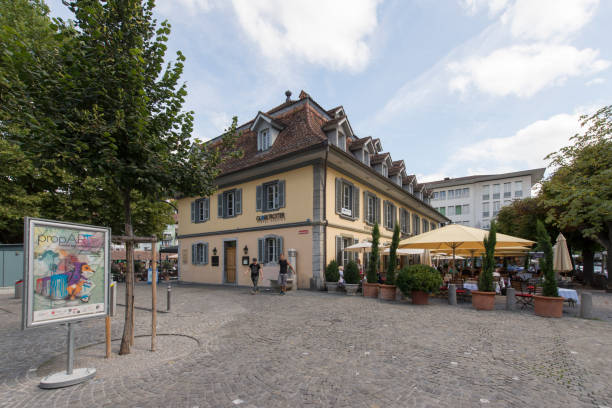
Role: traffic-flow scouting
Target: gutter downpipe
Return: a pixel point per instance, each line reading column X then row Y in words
column 324, row 221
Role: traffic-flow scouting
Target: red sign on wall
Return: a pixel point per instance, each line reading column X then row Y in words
column 303, row 232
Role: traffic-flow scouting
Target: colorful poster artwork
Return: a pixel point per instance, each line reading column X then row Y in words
column 68, row 273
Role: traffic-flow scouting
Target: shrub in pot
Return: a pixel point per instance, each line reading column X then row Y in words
column 388, row 290
column 418, row 281
column 332, row 276
column 370, row 288
column 549, row 304
column 484, row 297
column 351, row 278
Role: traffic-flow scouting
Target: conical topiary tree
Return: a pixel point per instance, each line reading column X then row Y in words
column 372, row 274
column 549, row 287
column 393, row 256
column 485, row 280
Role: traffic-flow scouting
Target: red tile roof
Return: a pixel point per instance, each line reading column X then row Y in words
column 358, row 144
column 378, row 158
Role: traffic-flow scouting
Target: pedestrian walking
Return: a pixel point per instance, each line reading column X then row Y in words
column 255, row 268
column 282, row 273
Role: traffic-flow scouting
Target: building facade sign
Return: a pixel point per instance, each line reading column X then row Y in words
column 271, row 217
column 66, row 274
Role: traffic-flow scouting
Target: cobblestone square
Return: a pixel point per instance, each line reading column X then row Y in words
column 223, row 347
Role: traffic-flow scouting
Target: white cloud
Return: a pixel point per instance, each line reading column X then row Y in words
column 595, row 81
column 547, row 19
column 173, row 7
column 524, row 70
column 474, row 6
column 331, row 34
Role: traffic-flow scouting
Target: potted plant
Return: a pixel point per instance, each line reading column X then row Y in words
column 549, row 304
column 484, row 297
column 370, row 287
column 418, row 281
column 332, row 276
column 388, row 290
column 351, row 278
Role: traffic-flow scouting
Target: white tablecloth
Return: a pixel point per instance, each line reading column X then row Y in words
column 474, row 286
column 569, row 294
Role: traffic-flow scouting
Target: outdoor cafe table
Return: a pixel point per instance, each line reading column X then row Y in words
column 474, row 286
column 569, row 294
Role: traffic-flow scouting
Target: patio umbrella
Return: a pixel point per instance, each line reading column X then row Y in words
column 460, row 237
column 561, row 256
column 404, row 251
column 360, row 247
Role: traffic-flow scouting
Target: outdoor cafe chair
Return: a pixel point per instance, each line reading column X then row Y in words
column 523, row 297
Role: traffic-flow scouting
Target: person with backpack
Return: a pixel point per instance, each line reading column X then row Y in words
column 282, row 273
column 255, row 268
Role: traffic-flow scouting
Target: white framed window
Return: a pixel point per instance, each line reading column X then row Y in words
column 465, row 209
column 451, row 210
column 346, row 255
column 269, row 249
column 366, row 157
column 341, row 141
column 270, row 196
column 485, row 210
column 465, row 192
column 271, row 192
column 389, row 215
column 518, row 188
column 199, row 253
column 507, row 190
column 385, row 170
column 347, row 199
column 496, row 207
column 485, row 192
column 230, row 199
column 371, row 209
column 200, row 210
column 451, row 194
column 435, row 195
column 230, row 203
column 442, row 195
column 263, row 139
column 495, row 191
column 416, row 224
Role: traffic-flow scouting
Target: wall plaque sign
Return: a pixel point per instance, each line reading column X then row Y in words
column 270, row 217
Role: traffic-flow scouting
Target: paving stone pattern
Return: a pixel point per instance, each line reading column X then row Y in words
column 312, row 349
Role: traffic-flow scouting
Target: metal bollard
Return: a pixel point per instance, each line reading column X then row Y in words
column 169, row 297
column 510, row 298
column 452, row 294
column 586, row 305
column 113, row 299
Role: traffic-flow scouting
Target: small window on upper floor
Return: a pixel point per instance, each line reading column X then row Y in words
column 385, row 170
column 263, row 140
column 366, row 157
column 341, row 141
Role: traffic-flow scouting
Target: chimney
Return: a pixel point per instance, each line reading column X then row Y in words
column 288, row 95
column 446, row 178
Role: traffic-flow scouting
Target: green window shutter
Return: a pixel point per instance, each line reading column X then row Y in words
column 281, row 194
column 193, row 254
column 206, row 209
column 385, row 211
column 220, row 205
column 338, row 196
column 355, row 202
column 394, row 215
column 365, row 206
column 260, row 250
column 259, row 198
column 378, row 203
column 238, row 201
column 205, row 254
column 193, row 211
column 339, row 249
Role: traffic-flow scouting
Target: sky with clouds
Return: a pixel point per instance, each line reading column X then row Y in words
column 454, row 87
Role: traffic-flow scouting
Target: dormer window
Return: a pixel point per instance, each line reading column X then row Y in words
column 263, row 139
column 366, row 157
column 341, row 141
column 385, row 170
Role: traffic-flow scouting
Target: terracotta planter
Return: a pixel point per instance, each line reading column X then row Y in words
column 548, row 306
column 351, row 288
column 331, row 287
column 387, row 292
column 370, row 290
column 419, row 298
column 483, row 300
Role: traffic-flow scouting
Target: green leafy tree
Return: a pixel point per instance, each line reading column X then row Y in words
column 579, row 193
column 119, row 137
column 390, row 278
column 372, row 273
column 550, row 282
column 485, row 280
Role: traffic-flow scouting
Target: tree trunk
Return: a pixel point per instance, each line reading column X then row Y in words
column 587, row 265
column 608, row 263
column 128, row 327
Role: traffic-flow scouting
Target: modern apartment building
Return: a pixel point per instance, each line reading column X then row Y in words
column 305, row 182
column 476, row 200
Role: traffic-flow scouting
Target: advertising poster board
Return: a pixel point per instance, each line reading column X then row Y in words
column 67, row 272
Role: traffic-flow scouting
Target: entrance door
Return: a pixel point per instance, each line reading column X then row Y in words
column 230, row 261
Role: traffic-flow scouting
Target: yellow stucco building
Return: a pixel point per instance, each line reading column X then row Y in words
column 305, row 182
